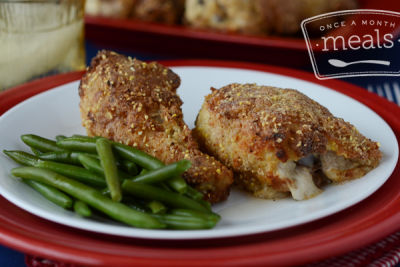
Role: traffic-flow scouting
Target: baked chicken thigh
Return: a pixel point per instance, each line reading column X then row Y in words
column 280, row 142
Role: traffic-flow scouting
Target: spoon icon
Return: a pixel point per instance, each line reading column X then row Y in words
column 341, row 64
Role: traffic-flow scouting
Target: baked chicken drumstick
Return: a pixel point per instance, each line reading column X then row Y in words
column 135, row 103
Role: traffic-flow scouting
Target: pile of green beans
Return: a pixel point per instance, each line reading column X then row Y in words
column 93, row 174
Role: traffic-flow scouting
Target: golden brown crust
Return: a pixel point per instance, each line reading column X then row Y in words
column 135, row 103
column 109, row 8
column 258, row 130
column 284, row 17
column 226, row 15
column 258, row 16
column 295, row 124
column 163, row 11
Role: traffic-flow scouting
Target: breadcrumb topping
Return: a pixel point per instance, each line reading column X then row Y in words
column 135, row 102
column 261, row 131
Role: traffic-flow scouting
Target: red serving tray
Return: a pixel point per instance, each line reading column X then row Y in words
column 180, row 41
column 352, row 228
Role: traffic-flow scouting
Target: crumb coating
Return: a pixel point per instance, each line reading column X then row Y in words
column 135, row 103
column 253, row 129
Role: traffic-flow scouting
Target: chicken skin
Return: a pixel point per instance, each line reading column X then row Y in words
column 280, row 142
column 135, row 103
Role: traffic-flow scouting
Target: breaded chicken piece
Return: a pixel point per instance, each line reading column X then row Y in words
column 109, row 8
column 258, row 16
column 241, row 16
column 135, row 103
column 279, row 141
column 285, row 17
column 162, row 11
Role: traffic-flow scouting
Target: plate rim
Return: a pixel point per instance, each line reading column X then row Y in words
column 388, row 224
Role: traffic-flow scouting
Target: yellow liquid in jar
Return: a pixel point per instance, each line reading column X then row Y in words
column 43, row 41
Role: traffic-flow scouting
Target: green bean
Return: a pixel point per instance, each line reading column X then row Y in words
column 105, row 191
column 165, row 187
column 156, row 207
column 60, row 137
column 129, row 167
column 161, row 185
column 81, row 136
column 62, row 156
column 178, row 184
column 35, row 151
column 205, row 203
column 91, row 196
column 189, row 219
column 85, row 137
column 193, row 213
column 22, row 157
column 143, row 171
column 72, row 171
column 91, row 163
column 88, row 144
column 51, row 193
column 198, row 196
column 180, row 222
column 139, row 157
column 134, row 203
column 163, row 173
column 40, row 143
column 78, row 144
column 78, row 173
column 109, row 165
column 193, row 193
column 172, row 199
column 82, row 208
column 149, row 162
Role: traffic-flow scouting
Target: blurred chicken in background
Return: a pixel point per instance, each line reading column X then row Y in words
column 280, row 17
column 255, row 17
column 162, row 11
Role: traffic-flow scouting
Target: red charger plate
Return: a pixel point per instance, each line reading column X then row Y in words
column 179, row 41
column 352, row 228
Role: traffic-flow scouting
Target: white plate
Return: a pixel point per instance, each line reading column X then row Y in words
column 57, row 112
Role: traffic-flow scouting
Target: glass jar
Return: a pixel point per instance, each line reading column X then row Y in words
column 40, row 37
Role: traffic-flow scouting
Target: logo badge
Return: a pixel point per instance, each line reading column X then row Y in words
column 353, row 43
